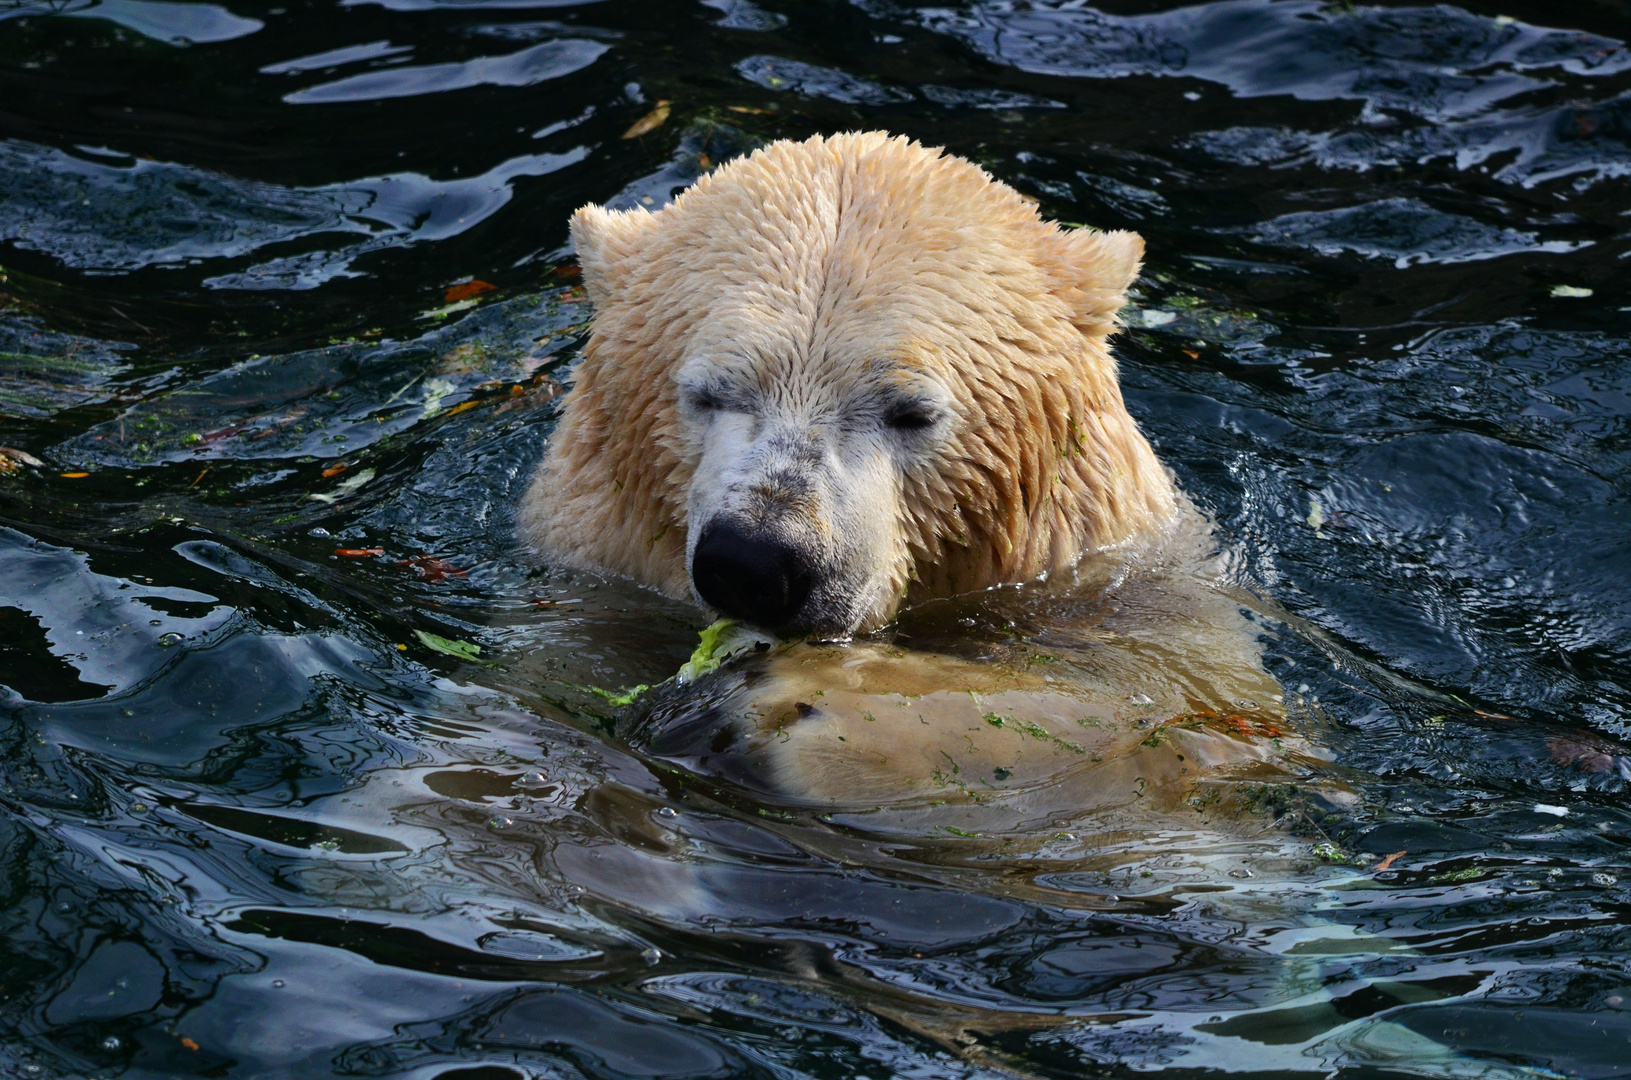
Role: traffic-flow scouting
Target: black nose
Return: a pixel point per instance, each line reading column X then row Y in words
column 749, row 576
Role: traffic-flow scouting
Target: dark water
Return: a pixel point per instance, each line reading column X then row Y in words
column 253, row 825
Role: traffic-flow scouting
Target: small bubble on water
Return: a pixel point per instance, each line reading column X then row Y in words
column 172, row 638
column 651, row 954
column 499, row 821
column 1240, row 872
column 668, row 812
column 321, row 533
column 277, row 984
column 111, row 1043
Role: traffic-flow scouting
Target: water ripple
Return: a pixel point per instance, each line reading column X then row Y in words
column 110, row 215
column 550, row 60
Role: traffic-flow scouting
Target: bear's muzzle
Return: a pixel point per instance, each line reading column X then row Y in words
column 751, row 575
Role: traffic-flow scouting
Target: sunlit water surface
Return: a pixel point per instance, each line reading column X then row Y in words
column 282, row 281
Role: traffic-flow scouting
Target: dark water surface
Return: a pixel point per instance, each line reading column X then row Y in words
column 253, row 824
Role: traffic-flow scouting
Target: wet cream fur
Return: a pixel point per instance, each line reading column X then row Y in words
column 819, row 273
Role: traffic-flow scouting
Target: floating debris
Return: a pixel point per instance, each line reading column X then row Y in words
column 463, row 650
column 465, row 290
column 346, row 487
column 648, row 123
column 431, row 568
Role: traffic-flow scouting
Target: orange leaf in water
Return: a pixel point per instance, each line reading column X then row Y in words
column 461, row 407
column 1387, row 862
column 75, row 475
column 464, row 290
column 335, row 470
column 189, row 1044
column 358, row 553
column 431, row 568
column 650, row 122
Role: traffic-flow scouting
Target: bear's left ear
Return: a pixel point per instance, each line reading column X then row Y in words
column 608, row 243
column 1093, row 271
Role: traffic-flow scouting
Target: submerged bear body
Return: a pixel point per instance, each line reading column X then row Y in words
column 1111, row 698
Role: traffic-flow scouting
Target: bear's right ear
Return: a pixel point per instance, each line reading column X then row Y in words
column 1093, row 271
column 608, row 243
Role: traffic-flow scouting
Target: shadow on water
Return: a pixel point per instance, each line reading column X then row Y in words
column 288, row 308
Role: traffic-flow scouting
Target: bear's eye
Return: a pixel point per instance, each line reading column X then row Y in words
column 703, row 400
column 911, row 416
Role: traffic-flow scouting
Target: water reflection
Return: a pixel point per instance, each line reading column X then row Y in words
column 124, row 215
column 178, row 24
column 1407, row 231
column 551, row 60
column 252, row 824
column 1438, row 63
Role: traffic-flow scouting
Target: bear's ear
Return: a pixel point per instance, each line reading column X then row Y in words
column 608, row 243
column 1093, row 271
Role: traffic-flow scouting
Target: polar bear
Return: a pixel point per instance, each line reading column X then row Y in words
column 852, row 373
column 839, row 374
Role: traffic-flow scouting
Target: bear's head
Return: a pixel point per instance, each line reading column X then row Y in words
column 839, row 374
